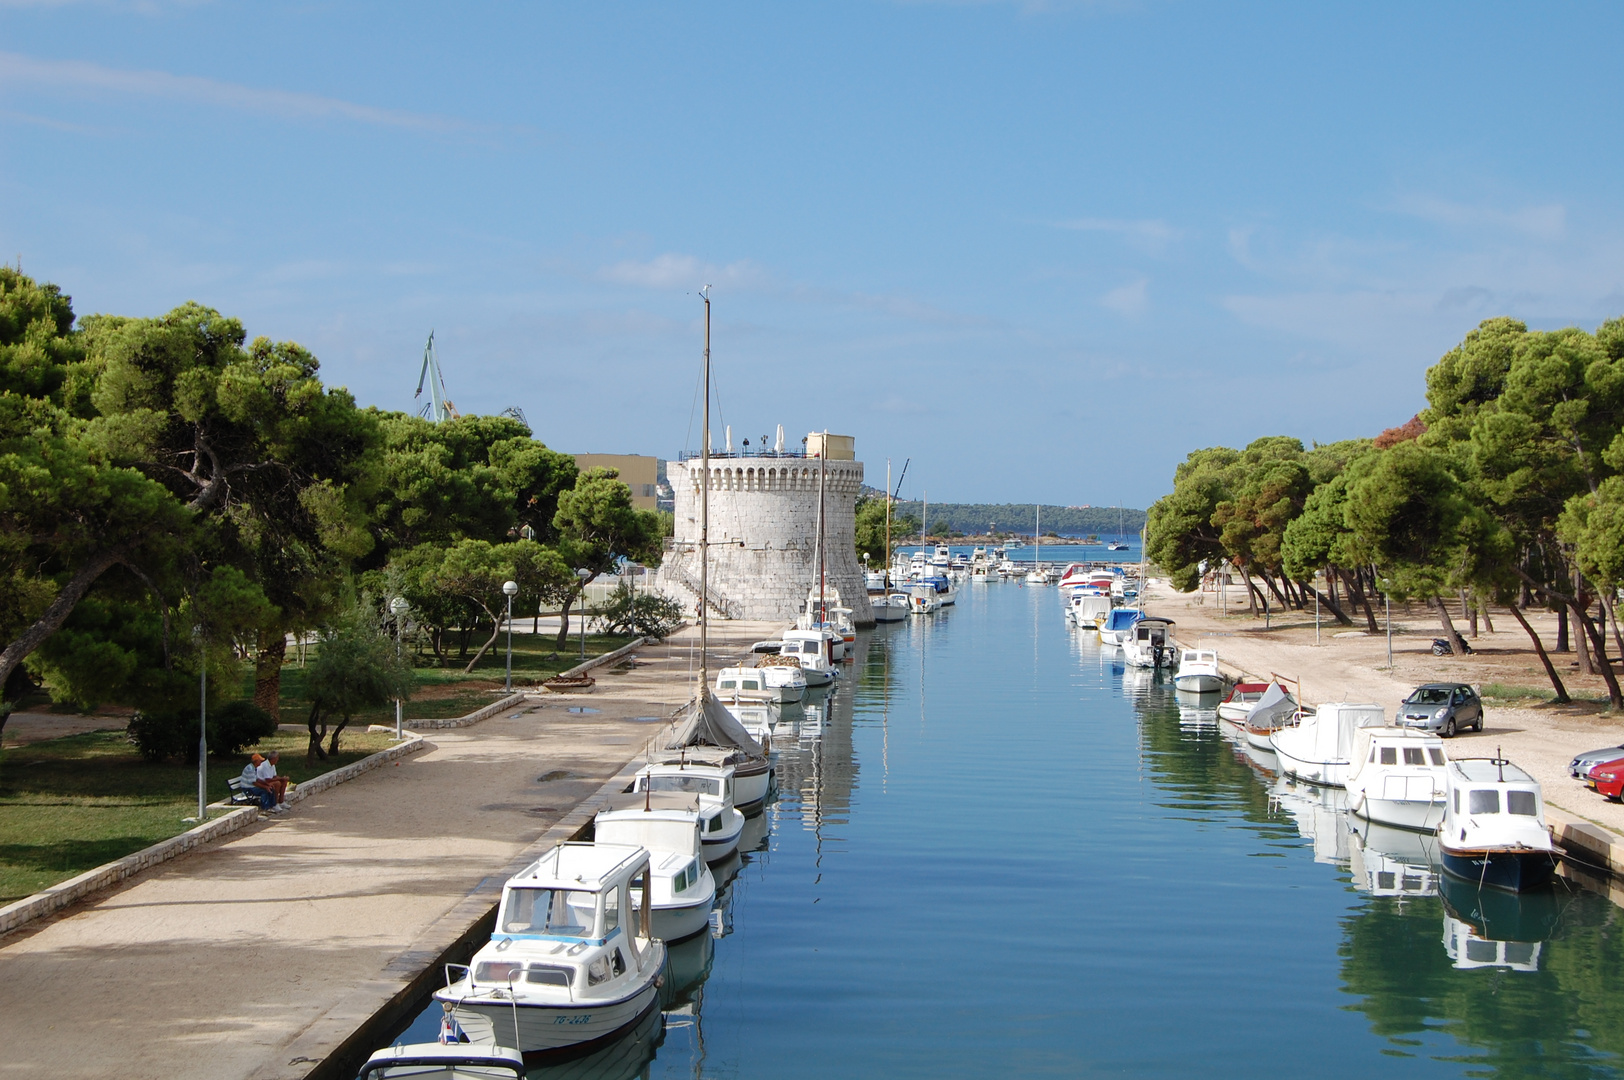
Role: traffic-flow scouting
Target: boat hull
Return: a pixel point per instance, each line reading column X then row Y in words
column 1200, row 684
column 1400, row 813
column 1329, row 773
column 548, row 1032
column 1516, row 870
column 676, row 923
column 751, row 784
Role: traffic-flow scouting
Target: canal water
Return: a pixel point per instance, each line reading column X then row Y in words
column 996, row 853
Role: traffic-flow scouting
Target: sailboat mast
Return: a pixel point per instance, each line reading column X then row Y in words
column 823, row 560
column 704, row 515
column 887, row 525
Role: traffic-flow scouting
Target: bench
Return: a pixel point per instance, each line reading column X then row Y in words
column 243, row 792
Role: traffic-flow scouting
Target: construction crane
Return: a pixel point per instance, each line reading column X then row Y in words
column 439, row 408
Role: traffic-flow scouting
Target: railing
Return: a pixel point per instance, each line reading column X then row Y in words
column 692, row 455
column 728, row 609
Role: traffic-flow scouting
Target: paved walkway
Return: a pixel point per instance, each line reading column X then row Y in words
column 244, row 958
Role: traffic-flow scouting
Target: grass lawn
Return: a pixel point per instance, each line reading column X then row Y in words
column 69, row 805
column 448, row 691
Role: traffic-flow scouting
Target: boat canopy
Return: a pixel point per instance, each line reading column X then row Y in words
column 1328, row 735
column 1123, row 618
column 705, row 721
column 1272, row 709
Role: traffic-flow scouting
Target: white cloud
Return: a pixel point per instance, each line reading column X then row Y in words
column 80, row 75
column 1129, row 300
column 1151, row 234
column 1547, row 222
column 672, row 271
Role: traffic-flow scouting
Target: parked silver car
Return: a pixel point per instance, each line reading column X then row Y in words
column 1442, row 707
column 1579, row 768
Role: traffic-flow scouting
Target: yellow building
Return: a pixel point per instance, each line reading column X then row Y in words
column 641, row 474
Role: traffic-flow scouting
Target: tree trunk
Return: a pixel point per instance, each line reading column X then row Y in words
column 564, row 624
column 318, row 730
column 496, row 632
column 1488, row 622
column 1562, row 629
column 1451, row 635
column 1611, row 616
column 1468, row 612
column 1278, row 595
column 1330, row 585
column 273, row 650
column 332, row 746
column 1576, row 607
column 1615, row 697
column 1539, row 647
column 1359, row 597
column 53, row 618
column 1329, row 604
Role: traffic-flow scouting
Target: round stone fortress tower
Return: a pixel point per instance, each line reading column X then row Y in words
column 763, row 531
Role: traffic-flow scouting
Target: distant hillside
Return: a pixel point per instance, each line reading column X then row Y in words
column 977, row 518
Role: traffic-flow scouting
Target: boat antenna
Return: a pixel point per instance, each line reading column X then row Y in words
column 648, row 795
column 1501, row 762
column 704, row 515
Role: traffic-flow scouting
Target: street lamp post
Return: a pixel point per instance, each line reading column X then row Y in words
column 586, row 575
column 398, row 608
column 510, row 589
column 1387, row 605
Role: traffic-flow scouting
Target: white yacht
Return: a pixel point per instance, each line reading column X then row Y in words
column 815, row 650
column 924, row 599
column 1151, row 643
column 1198, row 671
column 573, row 964
column 1089, row 609
column 721, row 822
column 892, row 607
column 1493, row 830
column 1318, row 746
column 773, row 680
column 1397, row 777
column 668, row 824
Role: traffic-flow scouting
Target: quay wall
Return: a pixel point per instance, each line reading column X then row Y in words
column 763, row 535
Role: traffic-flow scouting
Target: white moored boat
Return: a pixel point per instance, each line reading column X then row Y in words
column 772, row 679
column 1118, row 625
column 1242, row 696
column 892, row 607
column 706, row 733
column 668, row 824
column 721, row 823
column 924, row 599
column 1319, row 745
column 444, row 1061
column 1089, row 608
column 815, row 650
column 572, row 965
column 1273, row 711
column 1150, row 645
column 1397, row 777
column 1493, row 830
column 1198, row 671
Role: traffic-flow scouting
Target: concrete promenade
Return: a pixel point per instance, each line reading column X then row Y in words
column 256, row 956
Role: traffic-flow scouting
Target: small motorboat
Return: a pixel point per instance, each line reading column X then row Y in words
column 1396, row 777
column 774, row 678
column 924, row 599
column 573, row 964
column 1493, row 830
column 721, row 821
column 668, row 824
column 1088, row 608
column 1116, row 545
column 704, row 732
column 1198, row 671
column 892, row 607
column 1242, row 696
column 444, row 1061
column 1273, row 711
column 1151, row 643
column 1318, row 746
column 815, row 650
column 1118, row 625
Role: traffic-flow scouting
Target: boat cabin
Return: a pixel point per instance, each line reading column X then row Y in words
column 443, row 1061
column 1090, row 608
column 1491, row 803
column 814, row 648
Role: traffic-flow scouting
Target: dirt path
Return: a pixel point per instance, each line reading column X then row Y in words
column 1346, row 666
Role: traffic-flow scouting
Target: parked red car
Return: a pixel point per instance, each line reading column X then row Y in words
column 1608, row 779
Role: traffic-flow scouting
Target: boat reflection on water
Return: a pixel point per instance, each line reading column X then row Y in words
column 1393, row 862
column 1320, row 814
column 1489, row 927
column 1197, row 710
column 688, row 964
column 1139, row 683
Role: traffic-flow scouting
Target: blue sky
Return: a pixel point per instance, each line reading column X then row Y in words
column 1044, row 250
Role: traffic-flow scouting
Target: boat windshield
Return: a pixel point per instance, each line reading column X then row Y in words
column 1483, row 801
column 1522, row 802
column 686, row 782
column 565, row 912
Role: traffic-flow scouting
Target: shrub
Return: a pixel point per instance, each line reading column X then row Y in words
column 645, row 614
column 160, row 735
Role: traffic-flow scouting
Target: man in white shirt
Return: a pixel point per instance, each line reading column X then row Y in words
column 265, row 777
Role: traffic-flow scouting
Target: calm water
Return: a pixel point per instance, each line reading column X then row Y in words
column 998, row 854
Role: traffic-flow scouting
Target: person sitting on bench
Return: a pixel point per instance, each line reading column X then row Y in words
column 267, row 779
column 250, row 775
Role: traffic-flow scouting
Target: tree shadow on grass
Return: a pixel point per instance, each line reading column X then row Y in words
column 70, row 855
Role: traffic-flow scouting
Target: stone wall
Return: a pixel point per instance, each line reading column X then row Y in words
column 763, row 534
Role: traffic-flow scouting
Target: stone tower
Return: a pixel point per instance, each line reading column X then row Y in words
column 763, row 532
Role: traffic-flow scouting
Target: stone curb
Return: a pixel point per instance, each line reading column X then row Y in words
column 461, row 721
column 598, row 661
column 1585, row 841
column 335, row 1045
column 29, row 908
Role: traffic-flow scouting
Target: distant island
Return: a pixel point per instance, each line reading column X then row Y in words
column 986, row 519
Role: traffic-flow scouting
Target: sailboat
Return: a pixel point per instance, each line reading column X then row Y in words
column 1037, row 575
column 704, row 732
column 1118, row 545
column 889, row 606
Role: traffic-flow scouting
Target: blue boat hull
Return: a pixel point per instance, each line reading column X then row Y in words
column 1517, row 871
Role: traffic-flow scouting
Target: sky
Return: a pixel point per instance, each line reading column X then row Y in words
column 1040, row 250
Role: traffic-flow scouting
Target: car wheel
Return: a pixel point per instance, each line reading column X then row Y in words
column 1478, row 727
column 1449, row 728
